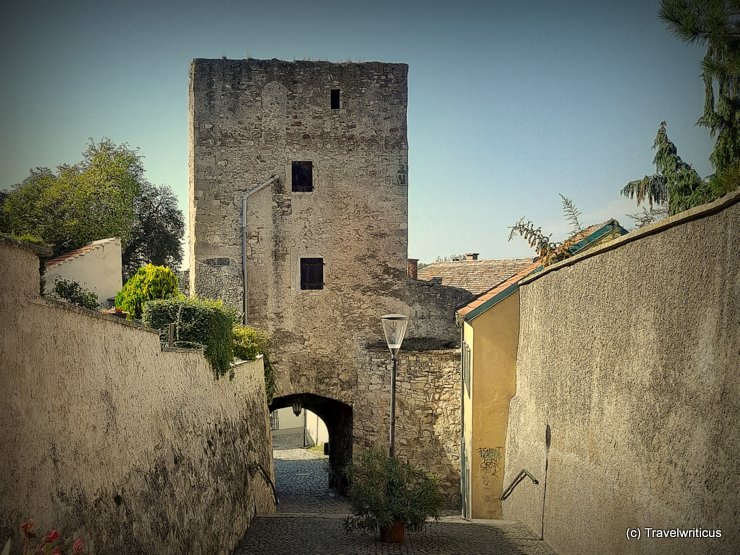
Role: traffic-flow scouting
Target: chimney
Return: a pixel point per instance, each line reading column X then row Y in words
column 471, row 255
column 412, row 267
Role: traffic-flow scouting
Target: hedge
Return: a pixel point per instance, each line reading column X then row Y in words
column 203, row 321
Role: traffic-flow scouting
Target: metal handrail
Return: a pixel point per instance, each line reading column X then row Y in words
column 515, row 482
column 257, row 466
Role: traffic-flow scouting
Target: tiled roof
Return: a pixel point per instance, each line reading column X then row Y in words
column 62, row 258
column 500, row 288
column 589, row 237
column 475, row 276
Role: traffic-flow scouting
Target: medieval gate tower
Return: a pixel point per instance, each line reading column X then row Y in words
column 298, row 217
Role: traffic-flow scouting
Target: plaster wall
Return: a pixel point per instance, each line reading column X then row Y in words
column 493, row 379
column 98, row 270
column 106, row 436
column 316, row 428
column 630, row 355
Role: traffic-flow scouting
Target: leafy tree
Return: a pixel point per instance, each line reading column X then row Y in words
column 158, row 228
column 716, row 24
column 80, row 203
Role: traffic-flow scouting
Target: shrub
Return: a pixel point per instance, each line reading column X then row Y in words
column 250, row 342
column 384, row 490
column 203, row 321
column 147, row 284
column 73, row 292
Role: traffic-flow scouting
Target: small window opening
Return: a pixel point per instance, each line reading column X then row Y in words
column 302, row 177
column 312, row 273
column 335, row 99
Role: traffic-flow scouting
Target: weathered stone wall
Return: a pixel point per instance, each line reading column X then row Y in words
column 105, row 436
column 630, row 355
column 250, row 119
column 427, row 411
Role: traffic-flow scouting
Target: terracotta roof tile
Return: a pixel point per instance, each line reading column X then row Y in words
column 475, row 276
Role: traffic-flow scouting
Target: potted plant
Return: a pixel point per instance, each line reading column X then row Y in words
column 389, row 495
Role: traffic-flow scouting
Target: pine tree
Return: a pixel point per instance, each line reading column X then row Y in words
column 715, row 23
column 676, row 183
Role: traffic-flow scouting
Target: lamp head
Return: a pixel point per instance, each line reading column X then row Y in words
column 394, row 328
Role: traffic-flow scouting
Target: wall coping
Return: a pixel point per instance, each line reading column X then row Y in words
column 48, row 301
column 696, row 213
column 38, row 250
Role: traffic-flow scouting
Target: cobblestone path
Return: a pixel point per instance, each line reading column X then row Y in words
column 309, row 520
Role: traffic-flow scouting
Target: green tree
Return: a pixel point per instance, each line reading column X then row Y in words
column 716, row 24
column 90, row 200
column 158, row 228
column 104, row 195
column 676, row 184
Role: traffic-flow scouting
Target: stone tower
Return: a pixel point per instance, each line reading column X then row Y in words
column 299, row 202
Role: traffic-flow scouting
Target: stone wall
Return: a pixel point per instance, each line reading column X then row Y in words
column 629, row 354
column 106, row 436
column 427, row 411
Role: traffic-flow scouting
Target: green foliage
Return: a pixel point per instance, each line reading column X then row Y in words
column 676, row 183
column 203, row 321
column 157, row 230
column 250, row 342
column 385, row 489
column 571, row 213
column 534, row 236
column 90, row 200
column 73, row 292
column 104, row 195
column 148, row 284
column 716, row 24
column 26, row 238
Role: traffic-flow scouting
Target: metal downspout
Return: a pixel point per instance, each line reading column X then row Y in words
column 245, row 197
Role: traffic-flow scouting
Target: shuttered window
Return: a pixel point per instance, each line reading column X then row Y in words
column 312, row 273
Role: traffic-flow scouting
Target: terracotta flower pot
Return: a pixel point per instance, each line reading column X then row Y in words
column 392, row 533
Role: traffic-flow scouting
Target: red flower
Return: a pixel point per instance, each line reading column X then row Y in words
column 56, row 551
column 27, row 528
column 77, row 546
column 51, row 536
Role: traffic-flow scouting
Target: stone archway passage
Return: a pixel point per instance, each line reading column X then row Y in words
column 338, row 419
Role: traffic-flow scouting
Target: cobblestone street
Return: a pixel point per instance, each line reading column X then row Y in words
column 309, row 520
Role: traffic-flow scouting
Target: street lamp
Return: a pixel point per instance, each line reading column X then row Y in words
column 394, row 328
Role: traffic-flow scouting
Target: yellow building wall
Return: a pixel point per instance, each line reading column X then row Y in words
column 467, row 411
column 495, row 336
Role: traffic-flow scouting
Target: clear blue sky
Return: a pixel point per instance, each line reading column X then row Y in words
column 510, row 102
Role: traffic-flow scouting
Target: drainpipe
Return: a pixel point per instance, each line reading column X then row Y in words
column 245, row 197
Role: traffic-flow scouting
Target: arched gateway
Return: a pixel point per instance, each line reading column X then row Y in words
column 338, row 419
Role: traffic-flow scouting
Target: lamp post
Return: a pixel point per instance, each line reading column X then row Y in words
column 394, row 328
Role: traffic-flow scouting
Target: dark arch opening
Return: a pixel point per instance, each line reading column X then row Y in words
column 338, row 419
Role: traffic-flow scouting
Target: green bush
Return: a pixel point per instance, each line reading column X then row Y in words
column 147, row 284
column 202, row 321
column 384, row 490
column 250, row 342
column 73, row 292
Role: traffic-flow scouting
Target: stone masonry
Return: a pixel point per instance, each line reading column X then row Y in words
column 254, row 119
